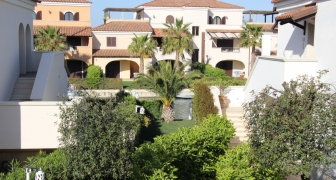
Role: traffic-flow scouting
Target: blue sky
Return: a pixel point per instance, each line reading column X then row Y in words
column 98, row 6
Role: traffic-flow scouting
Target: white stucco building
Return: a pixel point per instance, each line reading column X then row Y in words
column 305, row 44
column 30, row 83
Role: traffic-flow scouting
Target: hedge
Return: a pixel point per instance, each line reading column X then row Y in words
column 105, row 83
column 189, row 153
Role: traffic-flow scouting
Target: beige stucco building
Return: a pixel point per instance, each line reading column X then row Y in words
column 73, row 19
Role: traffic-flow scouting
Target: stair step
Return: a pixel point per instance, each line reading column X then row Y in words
column 18, row 97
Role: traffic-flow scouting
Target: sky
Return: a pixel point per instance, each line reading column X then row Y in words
column 97, row 7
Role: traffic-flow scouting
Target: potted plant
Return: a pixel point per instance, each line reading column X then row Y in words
column 223, row 88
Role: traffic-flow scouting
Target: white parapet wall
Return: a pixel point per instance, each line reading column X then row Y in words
column 29, row 125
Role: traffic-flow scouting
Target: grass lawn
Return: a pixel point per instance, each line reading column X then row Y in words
column 158, row 128
column 126, row 84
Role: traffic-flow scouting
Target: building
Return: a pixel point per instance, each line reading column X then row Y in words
column 305, row 41
column 73, row 19
column 110, row 43
column 30, row 84
column 216, row 31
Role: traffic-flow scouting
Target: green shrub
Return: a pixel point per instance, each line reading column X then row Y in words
column 216, row 73
column 94, row 73
column 153, row 108
column 189, row 153
column 198, row 66
column 53, row 166
column 105, row 83
column 203, row 102
column 237, row 163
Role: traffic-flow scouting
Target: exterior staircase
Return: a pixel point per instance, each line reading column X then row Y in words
column 23, row 88
column 235, row 114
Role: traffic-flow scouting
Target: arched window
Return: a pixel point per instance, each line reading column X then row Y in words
column 68, row 16
column 210, row 20
column 170, row 19
column 217, row 20
column 224, row 20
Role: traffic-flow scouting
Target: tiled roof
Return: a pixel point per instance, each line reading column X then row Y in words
column 298, row 14
column 67, row 1
column 69, row 30
column 191, row 3
column 158, row 32
column 275, row 1
column 223, row 31
column 112, row 53
column 266, row 27
column 125, row 26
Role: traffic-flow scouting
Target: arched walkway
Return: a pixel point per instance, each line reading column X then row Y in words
column 124, row 69
column 76, row 68
column 22, row 50
column 232, row 67
column 29, row 49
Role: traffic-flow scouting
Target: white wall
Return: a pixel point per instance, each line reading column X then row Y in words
column 51, row 79
column 12, row 13
column 274, row 71
column 29, row 125
column 325, row 38
column 123, row 39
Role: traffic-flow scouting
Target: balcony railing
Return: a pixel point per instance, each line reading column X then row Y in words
column 230, row 49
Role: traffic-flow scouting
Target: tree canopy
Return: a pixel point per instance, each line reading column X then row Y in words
column 50, row 39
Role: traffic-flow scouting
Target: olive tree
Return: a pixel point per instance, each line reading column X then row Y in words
column 97, row 136
column 293, row 129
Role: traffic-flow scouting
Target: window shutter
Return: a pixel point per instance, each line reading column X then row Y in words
column 39, row 15
column 170, row 19
column 108, row 40
column 76, row 17
column 61, row 16
column 210, row 20
column 224, row 20
column 114, row 42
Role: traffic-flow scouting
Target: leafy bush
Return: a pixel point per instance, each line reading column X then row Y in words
column 94, row 73
column 105, row 83
column 293, row 129
column 53, row 166
column 153, row 108
column 203, row 103
column 216, row 73
column 98, row 137
column 190, row 153
column 238, row 164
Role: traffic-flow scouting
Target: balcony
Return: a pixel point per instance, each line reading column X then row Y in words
column 230, row 49
column 217, row 54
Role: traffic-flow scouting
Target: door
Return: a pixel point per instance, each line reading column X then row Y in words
column 113, row 69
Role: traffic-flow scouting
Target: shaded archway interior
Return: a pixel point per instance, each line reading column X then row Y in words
column 76, row 68
column 232, row 67
column 121, row 69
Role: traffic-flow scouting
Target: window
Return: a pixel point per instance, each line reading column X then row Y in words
column 68, row 16
column 170, row 19
column 210, row 20
column 111, row 42
column 224, row 20
column 195, row 30
column 225, row 43
column 38, row 15
column 217, row 20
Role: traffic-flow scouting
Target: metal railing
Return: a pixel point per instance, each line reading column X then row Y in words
column 230, row 49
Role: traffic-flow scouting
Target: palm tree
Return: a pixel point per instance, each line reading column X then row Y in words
column 167, row 82
column 50, row 39
column 250, row 37
column 143, row 46
column 178, row 39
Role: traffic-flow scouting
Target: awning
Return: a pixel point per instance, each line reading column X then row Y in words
column 223, row 33
column 295, row 16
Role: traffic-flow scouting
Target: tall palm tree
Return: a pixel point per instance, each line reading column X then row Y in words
column 143, row 46
column 251, row 37
column 178, row 39
column 167, row 82
column 50, row 39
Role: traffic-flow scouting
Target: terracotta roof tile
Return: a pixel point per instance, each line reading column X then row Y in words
column 191, row 3
column 266, row 27
column 275, row 1
column 125, row 26
column 69, row 30
column 158, row 32
column 223, row 31
column 112, row 53
column 298, row 14
column 67, row 1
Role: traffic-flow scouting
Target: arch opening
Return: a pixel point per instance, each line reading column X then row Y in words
column 76, row 68
column 29, row 63
column 22, row 50
column 232, row 68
